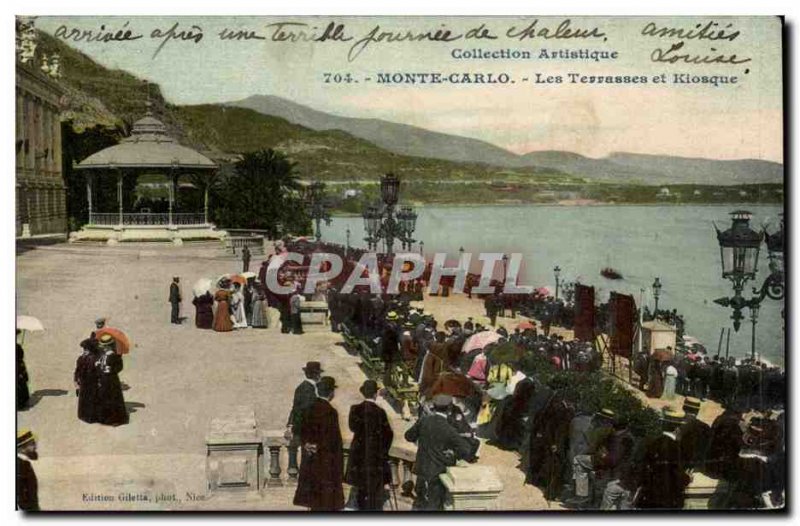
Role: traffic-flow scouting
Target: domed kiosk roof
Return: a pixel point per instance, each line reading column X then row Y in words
column 148, row 146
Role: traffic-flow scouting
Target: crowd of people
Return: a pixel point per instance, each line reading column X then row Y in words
column 747, row 384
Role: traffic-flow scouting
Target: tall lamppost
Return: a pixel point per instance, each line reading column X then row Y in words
column 317, row 207
column 739, row 247
column 347, row 245
column 557, row 273
column 505, row 269
column 656, row 294
column 421, row 248
column 384, row 224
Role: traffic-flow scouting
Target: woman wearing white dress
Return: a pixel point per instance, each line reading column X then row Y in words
column 237, row 307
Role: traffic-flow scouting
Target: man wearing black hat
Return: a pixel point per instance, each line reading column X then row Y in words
column 368, row 465
column 694, row 435
column 319, row 487
column 27, row 484
column 175, row 300
column 438, row 446
column 663, row 477
column 305, row 395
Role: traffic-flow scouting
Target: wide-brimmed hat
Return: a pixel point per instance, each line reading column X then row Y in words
column 106, row 340
column 25, row 436
column 313, row 367
column 391, row 316
column 369, row 388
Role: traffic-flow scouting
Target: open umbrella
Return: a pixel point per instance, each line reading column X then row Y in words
column 662, row 355
column 123, row 343
column 479, row 341
column 543, row 291
column 202, row 286
column 224, row 277
column 525, row 325
column 29, row 323
column 454, row 385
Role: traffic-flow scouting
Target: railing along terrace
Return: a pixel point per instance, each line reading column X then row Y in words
column 148, row 219
column 276, row 445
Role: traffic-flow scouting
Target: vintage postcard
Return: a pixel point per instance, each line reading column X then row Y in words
column 351, row 263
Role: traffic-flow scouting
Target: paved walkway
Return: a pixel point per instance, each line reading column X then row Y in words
column 178, row 379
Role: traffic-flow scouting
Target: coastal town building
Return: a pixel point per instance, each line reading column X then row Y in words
column 40, row 189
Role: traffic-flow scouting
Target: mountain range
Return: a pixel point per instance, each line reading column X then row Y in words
column 621, row 167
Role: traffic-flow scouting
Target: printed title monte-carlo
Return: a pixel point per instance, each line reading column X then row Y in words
column 406, row 266
column 708, row 32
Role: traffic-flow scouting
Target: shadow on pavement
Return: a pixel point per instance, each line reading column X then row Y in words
column 37, row 396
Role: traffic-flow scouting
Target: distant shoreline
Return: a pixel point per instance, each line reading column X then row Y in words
column 564, row 204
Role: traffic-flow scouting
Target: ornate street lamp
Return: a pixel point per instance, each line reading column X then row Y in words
column 390, row 186
column 317, row 207
column 739, row 248
column 557, row 273
column 656, row 293
column 383, row 223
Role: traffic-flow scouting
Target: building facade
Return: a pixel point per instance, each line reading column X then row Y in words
column 40, row 188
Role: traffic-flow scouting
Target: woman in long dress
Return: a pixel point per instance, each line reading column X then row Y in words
column 237, row 308
column 222, row 316
column 204, row 315
column 111, row 403
column 260, row 312
column 86, row 379
column 670, row 381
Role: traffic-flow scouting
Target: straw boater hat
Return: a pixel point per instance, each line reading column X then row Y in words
column 442, row 401
column 691, row 405
column 25, row 436
column 391, row 316
column 674, row 416
column 106, row 340
column 606, row 413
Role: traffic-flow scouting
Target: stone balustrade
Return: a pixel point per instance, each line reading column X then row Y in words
column 235, row 244
column 282, row 453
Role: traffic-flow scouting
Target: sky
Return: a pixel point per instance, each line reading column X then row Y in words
column 743, row 120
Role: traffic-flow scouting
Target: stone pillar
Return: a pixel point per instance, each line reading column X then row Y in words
column 20, row 138
column 471, row 488
column 292, row 471
column 119, row 194
column 172, row 179
column 274, row 466
column 234, row 452
column 89, row 181
column 205, row 204
column 29, row 135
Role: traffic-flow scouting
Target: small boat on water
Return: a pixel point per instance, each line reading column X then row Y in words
column 610, row 273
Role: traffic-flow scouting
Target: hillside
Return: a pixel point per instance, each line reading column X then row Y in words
column 618, row 167
column 395, row 137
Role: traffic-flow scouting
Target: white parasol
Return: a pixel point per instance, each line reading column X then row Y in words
column 202, row 286
column 29, row 323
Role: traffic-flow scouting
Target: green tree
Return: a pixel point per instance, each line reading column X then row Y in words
column 262, row 192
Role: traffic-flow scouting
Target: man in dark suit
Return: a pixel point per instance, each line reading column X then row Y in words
column 368, row 465
column 438, row 446
column 27, row 484
column 305, row 395
column 246, row 259
column 663, row 477
column 319, row 487
column 175, row 300
column 694, row 436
